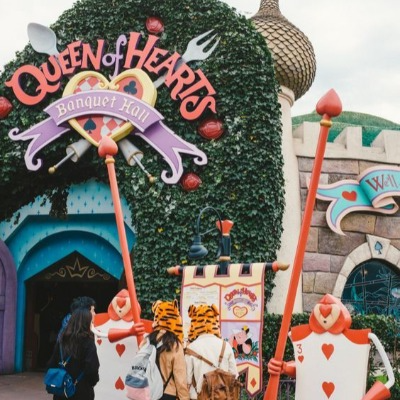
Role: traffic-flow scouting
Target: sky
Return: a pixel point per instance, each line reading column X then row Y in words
column 356, row 44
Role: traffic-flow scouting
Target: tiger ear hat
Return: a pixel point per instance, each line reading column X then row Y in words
column 168, row 317
column 204, row 319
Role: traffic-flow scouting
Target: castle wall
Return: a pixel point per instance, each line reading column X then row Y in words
column 330, row 257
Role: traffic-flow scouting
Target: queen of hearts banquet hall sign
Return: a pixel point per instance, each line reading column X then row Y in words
column 119, row 105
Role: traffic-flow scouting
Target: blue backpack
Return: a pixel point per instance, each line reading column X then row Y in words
column 59, row 382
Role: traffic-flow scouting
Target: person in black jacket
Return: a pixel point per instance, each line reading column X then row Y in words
column 78, row 302
column 77, row 341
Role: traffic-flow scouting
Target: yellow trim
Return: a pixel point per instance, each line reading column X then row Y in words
column 149, row 96
column 325, row 122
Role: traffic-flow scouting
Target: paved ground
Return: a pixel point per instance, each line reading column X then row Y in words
column 23, row 386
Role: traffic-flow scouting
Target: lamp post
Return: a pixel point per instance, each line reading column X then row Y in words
column 198, row 251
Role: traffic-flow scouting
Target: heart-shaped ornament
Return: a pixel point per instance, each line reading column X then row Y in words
column 133, row 82
column 350, row 196
column 240, row 312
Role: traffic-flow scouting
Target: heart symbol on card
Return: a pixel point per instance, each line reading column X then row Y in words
column 133, row 82
column 119, row 384
column 120, row 349
column 328, row 388
column 240, row 312
column 99, row 342
column 328, row 349
column 300, row 358
column 350, row 196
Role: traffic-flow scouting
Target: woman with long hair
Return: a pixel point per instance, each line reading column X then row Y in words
column 167, row 336
column 77, row 342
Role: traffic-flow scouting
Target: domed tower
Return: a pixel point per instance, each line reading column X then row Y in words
column 295, row 68
column 293, row 53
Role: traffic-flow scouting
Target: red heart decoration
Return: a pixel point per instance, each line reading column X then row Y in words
column 329, row 104
column 351, row 196
column 99, row 341
column 328, row 350
column 119, row 384
column 328, row 388
column 120, row 349
column 301, row 358
column 107, row 147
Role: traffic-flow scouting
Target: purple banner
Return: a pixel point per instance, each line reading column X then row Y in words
column 115, row 104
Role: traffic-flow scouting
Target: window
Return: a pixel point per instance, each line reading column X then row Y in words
column 373, row 287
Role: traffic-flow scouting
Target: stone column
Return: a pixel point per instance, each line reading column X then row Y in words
column 292, row 214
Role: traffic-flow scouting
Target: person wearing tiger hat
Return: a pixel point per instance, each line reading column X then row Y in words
column 167, row 336
column 205, row 341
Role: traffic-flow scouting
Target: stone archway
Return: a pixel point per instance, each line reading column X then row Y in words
column 375, row 248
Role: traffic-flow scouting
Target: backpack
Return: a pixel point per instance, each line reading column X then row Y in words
column 217, row 384
column 59, row 382
column 144, row 381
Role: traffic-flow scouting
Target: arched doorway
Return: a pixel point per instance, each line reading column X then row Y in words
column 48, row 296
column 38, row 243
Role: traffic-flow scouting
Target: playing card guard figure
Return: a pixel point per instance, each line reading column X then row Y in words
column 331, row 360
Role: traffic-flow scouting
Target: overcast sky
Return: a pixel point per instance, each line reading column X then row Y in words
column 356, row 43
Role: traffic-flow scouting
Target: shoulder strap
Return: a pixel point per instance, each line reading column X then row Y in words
column 80, row 376
column 158, row 365
column 64, row 363
column 169, row 378
column 221, row 355
column 191, row 352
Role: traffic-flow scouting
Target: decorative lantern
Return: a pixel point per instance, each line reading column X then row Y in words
column 190, row 181
column 154, row 25
column 211, row 128
column 5, row 107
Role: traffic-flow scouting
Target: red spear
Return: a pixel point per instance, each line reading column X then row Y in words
column 328, row 106
column 107, row 149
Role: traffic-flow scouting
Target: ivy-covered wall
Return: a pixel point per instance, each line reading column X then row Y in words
column 243, row 177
